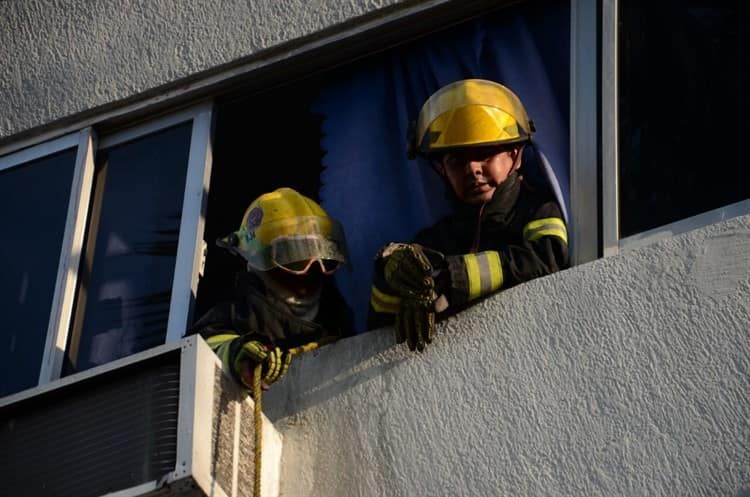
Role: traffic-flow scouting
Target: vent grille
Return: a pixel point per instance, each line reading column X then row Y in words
column 111, row 432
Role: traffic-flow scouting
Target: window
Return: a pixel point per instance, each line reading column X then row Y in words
column 133, row 236
column 106, row 259
column 682, row 101
column 34, row 195
column 125, row 282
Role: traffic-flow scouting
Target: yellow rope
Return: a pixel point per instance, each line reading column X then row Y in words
column 257, row 392
column 311, row 346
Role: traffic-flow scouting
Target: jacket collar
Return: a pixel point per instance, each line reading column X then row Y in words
column 500, row 205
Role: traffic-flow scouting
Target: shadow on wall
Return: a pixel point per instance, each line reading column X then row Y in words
column 342, row 366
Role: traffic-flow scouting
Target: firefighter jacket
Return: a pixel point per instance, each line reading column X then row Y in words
column 254, row 316
column 518, row 235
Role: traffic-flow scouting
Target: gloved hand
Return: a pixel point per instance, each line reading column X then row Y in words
column 415, row 322
column 408, row 270
column 275, row 363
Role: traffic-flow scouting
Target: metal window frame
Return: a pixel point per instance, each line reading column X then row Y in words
column 190, row 246
column 190, row 249
column 612, row 242
column 70, row 257
column 610, row 129
column 70, row 247
column 38, row 151
column 584, row 143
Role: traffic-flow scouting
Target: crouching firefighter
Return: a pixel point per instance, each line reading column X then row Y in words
column 502, row 231
column 285, row 300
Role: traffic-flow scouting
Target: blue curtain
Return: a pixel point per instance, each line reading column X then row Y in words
column 368, row 183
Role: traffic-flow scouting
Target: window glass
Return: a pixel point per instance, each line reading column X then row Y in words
column 33, row 207
column 683, row 109
column 125, row 282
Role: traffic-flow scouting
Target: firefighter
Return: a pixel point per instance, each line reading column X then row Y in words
column 502, row 231
column 285, row 298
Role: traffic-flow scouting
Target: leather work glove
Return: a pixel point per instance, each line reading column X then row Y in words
column 275, row 363
column 408, row 270
column 415, row 322
column 411, row 271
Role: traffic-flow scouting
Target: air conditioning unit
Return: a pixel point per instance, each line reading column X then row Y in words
column 163, row 422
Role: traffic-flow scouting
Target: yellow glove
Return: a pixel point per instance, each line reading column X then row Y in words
column 415, row 323
column 278, row 364
column 408, row 270
column 275, row 363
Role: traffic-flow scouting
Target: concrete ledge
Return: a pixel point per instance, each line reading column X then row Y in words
column 626, row 376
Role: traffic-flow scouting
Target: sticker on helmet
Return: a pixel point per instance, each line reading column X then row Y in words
column 254, row 217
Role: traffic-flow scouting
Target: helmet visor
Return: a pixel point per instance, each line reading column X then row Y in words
column 327, row 266
column 286, row 241
column 319, row 239
column 290, row 251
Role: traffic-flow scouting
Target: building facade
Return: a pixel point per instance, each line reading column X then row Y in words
column 133, row 134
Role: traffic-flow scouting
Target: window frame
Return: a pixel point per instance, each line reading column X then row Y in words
column 69, row 255
column 612, row 242
column 585, row 215
column 191, row 248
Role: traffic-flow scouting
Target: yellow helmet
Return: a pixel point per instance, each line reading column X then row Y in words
column 285, row 229
column 469, row 113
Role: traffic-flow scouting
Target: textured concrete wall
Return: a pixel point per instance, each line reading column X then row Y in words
column 625, row 376
column 61, row 57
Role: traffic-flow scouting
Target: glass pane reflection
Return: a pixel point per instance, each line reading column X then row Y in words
column 122, row 304
column 33, row 206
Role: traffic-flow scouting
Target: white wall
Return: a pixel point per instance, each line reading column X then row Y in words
column 625, row 376
column 60, row 58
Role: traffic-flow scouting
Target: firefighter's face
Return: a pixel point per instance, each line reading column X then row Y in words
column 475, row 173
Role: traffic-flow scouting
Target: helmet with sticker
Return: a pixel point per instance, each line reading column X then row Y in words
column 285, row 229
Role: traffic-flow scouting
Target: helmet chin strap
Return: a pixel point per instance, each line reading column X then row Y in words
column 302, row 307
column 517, row 159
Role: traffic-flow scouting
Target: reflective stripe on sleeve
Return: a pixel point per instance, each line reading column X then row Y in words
column 549, row 226
column 217, row 340
column 382, row 302
column 485, row 273
column 221, row 344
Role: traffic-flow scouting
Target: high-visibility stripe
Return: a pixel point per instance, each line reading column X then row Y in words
column 496, row 270
column 217, row 340
column 221, row 344
column 549, row 226
column 485, row 273
column 223, row 352
column 382, row 302
column 475, row 279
